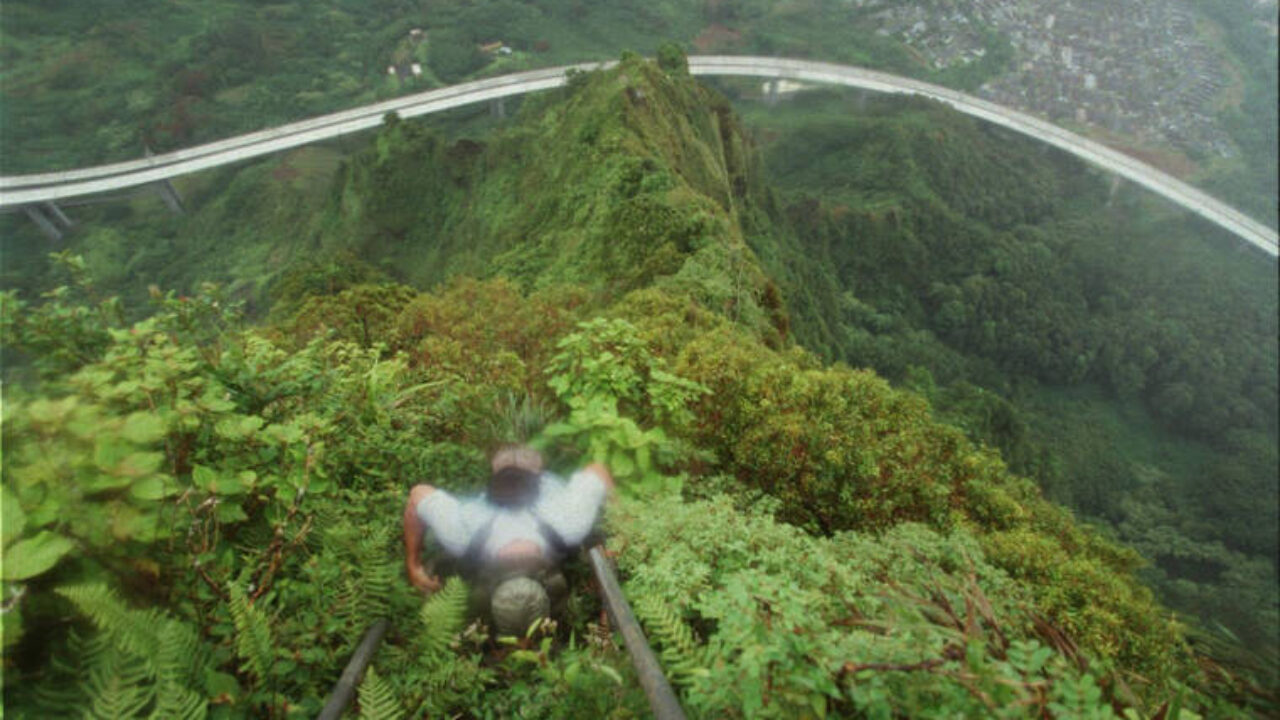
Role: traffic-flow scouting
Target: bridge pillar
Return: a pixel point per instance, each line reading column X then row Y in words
column 498, row 107
column 58, row 215
column 170, row 196
column 771, row 94
column 1115, row 186
column 48, row 228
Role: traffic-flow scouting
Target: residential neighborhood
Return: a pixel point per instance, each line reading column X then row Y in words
column 1140, row 68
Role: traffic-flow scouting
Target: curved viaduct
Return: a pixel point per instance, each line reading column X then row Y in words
column 28, row 191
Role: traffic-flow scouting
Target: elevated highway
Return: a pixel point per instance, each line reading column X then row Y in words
column 32, row 191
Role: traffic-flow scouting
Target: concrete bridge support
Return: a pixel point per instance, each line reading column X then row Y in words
column 498, row 107
column 1115, row 187
column 59, row 215
column 170, row 197
column 45, row 224
column 771, row 92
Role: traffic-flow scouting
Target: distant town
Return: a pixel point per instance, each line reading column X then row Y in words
column 1140, row 68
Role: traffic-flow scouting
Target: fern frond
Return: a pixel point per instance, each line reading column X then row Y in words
column 681, row 655
column 119, row 687
column 379, row 572
column 176, row 702
column 135, row 656
column 179, row 657
column 377, row 700
column 253, row 635
column 63, row 691
column 370, row 571
column 134, row 631
column 442, row 617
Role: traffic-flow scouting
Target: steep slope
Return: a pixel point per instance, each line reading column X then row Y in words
column 624, row 179
column 1115, row 350
column 800, row 539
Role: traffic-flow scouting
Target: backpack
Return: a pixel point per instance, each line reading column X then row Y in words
column 504, row 595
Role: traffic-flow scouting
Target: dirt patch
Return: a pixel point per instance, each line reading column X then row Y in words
column 285, row 172
column 717, row 38
column 1169, row 161
column 1166, row 159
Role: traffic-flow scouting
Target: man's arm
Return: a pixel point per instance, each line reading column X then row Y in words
column 573, row 509
column 413, row 531
column 605, row 476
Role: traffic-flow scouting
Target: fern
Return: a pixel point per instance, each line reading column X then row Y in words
column 378, row 576
column 136, row 656
column 118, row 687
column 370, row 572
column 179, row 655
column 377, row 700
column 63, row 692
column 253, row 636
column 680, row 651
column 442, row 619
column 135, row 631
column 175, row 702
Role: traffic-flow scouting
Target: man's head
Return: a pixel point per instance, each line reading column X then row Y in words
column 520, row 456
column 515, row 476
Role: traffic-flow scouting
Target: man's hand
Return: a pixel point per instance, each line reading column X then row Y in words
column 425, row 582
column 413, row 542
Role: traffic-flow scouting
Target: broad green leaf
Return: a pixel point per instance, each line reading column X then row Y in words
column 238, row 427
column 285, row 433
column 138, row 464
column 203, row 477
column 47, row 511
column 230, row 512
column 143, row 428
column 152, row 488
column 130, row 523
column 12, row 519
column 643, row 459
column 213, row 403
column 621, row 465
column 35, row 555
column 109, row 450
column 559, row 430
column 46, row 412
column 210, row 480
column 104, row 482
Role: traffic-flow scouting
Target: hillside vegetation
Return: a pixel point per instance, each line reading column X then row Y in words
column 201, row 509
column 1119, row 355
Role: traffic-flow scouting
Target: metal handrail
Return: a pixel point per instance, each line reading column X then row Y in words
column 346, row 687
column 662, row 699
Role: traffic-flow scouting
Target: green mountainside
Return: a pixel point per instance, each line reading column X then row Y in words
column 201, row 507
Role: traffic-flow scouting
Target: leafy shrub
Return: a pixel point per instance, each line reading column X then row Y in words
column 913, row 623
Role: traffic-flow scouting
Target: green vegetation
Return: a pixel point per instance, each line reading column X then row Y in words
column 200, row 508
column 1001, row 281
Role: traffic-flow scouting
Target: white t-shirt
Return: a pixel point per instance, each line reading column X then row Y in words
column 568, row 508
